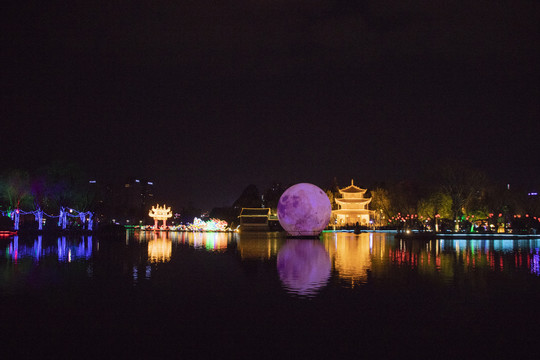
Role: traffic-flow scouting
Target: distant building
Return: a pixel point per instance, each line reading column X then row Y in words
column 136, row 198
column 254, row 219
column 352, row 207
column 126, row 202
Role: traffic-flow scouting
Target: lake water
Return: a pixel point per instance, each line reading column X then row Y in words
column 261, row 295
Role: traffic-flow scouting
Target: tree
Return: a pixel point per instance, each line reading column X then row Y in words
column 67, row 186
column 15, row 189
column 404, row 197
column 332, row 191
column 462, row 183
column 381, row 203
column 437, row 205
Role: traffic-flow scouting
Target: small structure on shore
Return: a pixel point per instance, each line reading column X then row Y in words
column 254, row 219
column 352, row 206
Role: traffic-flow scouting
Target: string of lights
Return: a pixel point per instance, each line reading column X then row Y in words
column 14, row 214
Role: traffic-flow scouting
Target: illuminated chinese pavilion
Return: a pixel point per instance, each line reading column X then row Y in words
column 352, row 206
column 160, row 213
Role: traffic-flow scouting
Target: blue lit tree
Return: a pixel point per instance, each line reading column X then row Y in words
column 38, row 189
column 67, row 188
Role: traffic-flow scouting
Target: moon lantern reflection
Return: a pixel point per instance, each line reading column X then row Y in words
column 303, row 266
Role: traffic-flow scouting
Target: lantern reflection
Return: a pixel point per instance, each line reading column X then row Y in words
column 159, row 249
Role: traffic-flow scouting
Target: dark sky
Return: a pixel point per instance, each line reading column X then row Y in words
column 206, row 97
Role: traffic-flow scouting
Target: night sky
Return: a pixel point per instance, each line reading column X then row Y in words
column 207, row 97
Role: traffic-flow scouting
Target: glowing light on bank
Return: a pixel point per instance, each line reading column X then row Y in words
column 209, row 225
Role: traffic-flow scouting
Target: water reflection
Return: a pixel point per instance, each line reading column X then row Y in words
column 210, row 241
column 65, row 249
column 535, row 262
column 356, row 256
column 159, row 249
column 261, row 246
column 303, row 267
column 352, row 254
column 495, row 255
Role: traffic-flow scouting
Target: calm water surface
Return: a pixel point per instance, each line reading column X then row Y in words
column 261, row 295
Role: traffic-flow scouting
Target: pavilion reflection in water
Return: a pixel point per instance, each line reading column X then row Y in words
column 353, row 258
column 356, row 257
column 352, row 255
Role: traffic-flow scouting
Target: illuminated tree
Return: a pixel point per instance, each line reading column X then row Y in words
column 462, row 183
column 381, row 203
column 333, row 192
column 67, row 186
column 38, row 189
column 404, row 197
column 438, row 205
column 15, row 189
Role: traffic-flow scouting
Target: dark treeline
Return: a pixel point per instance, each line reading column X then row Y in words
column 455, row 196
column 48, row 188
column 452, row 196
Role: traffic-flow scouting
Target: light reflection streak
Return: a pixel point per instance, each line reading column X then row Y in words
column 352, row 255
column 66, row 250
column 535, row 262
column 160, row 249
column 355, row 257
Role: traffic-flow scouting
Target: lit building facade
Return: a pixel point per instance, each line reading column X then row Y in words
column 352, row 207
column 254, row 219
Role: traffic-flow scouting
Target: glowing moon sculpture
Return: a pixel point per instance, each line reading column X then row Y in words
column 304, row 210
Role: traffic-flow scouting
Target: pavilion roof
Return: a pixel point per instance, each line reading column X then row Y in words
column 255, row 212
column 352, row 189
column 352, row 201
column 353, row 211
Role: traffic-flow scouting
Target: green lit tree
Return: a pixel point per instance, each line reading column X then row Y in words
column 381, row 204
column 15, row 189
column 438, row 205
column 67, row 186
column 463, row 184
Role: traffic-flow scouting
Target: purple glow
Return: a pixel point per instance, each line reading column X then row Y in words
column 38, row 215
column 90, row 221
column 535, row 263
column 303, row 266
column 16, row 216
column 65, row 250
column 304, row 210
